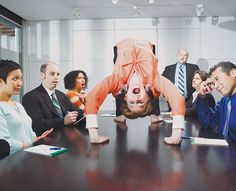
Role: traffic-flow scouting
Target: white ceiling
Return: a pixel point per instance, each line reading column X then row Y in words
column 35, row 10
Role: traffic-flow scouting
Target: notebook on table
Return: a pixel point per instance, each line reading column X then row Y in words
column 47, row 150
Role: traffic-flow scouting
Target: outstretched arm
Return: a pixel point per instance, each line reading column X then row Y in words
column 93, row 102
column 177, row 104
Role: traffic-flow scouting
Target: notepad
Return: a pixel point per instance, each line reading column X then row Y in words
column 206, row 141
column 47, row 150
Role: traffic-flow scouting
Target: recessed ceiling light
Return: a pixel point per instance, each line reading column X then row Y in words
column 115, row 1
column 151, row 1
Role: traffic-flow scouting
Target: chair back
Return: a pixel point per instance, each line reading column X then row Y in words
column 4, row 148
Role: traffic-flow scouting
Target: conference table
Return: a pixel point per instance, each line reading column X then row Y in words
column 136, row 158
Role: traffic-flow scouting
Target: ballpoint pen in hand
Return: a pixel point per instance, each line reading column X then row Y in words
column 79, row 120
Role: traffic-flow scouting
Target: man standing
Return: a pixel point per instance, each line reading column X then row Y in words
column 222, row 116
column 181, row 74
column 47, row 106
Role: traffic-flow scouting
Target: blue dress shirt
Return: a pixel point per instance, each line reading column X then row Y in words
column 216, row 117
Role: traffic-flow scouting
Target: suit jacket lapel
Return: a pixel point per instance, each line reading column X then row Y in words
column 47, row 100
column 188, row 76
column 172, row 73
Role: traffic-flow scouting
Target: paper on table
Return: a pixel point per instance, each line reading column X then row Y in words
column 165, row 113
column 47, row 150
column 168, row 120
column 206, row 141
column 108, row 115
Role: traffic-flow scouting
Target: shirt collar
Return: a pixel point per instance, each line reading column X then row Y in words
column 178, row 65
column 49, row 91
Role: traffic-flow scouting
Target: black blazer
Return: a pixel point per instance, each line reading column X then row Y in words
column 191, row 107
column 40, row 108
column 169, row 73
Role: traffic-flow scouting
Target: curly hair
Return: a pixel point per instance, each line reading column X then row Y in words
column 70, row 79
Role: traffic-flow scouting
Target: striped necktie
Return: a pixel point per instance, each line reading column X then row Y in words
column 181, row 83
column 56, row 105
column 226, row 126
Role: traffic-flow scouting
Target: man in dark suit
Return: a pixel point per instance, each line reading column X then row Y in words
column 48, row 107
column 172, row 72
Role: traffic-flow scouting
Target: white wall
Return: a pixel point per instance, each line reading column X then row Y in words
column 88, row 44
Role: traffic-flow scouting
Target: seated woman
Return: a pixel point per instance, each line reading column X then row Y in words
column 76, row 83
column 137, row 82
column 15, row 124
column 191, row 108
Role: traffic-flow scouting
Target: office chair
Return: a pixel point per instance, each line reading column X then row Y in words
column 4, row 148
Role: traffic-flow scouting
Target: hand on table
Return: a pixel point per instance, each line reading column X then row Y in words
column 175, row 137
column 95, row 138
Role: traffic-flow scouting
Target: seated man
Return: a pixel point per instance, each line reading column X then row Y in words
column 136, row 69
column 222, row 116
column 47, row 106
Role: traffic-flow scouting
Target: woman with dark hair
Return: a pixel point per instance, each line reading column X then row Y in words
column 191, row 108
column 76, row 82
column 135, row 72
column 15, row 124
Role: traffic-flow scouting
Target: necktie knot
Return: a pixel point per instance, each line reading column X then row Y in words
column 53, row 95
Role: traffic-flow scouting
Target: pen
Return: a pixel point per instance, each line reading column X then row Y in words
column 55, row 148
column 79, row 120
column 184, row 137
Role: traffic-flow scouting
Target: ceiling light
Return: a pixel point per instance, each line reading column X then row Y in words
column 214, row 20
column 114, row 1
column 76, row 13
column 136, row 14
column 136, row 11
column 151, row 1
column 155, row 21
column 199, row 9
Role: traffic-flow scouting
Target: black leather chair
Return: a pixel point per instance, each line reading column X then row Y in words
column 4, row 148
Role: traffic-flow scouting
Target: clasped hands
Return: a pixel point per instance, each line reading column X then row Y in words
column 206, row 87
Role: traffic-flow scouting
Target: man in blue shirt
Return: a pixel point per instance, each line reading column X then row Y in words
column 223, row 115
